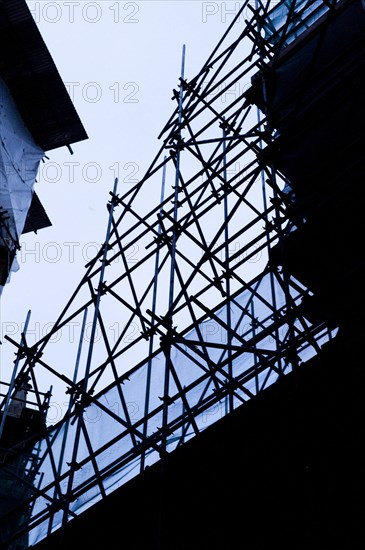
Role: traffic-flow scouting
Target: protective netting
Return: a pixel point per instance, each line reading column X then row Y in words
column 116, row 439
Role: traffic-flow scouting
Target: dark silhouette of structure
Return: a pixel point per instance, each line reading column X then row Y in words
column 37, row 115
column 233, row 417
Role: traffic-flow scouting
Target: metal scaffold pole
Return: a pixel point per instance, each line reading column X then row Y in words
column 169, row 316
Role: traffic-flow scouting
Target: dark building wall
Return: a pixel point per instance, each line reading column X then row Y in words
column 22, row 426
column 285, row 470
column 315, row 98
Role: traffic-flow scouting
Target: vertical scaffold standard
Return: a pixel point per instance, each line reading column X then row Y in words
column 188, row 316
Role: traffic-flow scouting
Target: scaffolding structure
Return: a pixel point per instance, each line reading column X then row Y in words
column 188, row 316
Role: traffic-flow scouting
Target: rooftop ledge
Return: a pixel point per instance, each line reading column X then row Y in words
column 28, row 69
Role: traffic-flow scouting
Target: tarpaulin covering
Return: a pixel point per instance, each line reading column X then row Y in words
column 19, row 161
column 292, row 17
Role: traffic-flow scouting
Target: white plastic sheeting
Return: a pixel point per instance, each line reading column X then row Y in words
column 19, row 162
column 106, row 421
column 305, row 13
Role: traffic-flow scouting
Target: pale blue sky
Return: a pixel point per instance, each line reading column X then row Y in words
column 120, row 61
